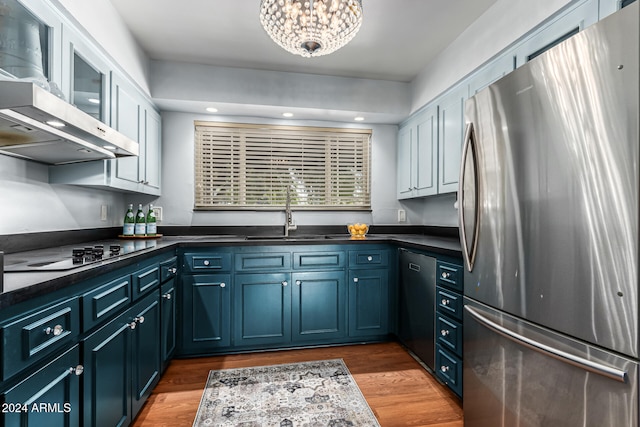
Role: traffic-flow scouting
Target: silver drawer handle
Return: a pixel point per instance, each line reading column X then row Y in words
column 78, row 370
column 446, row 275
column 369, row 258
column 446, row 302
column 284, row 283
column 56, row 330
column 206, row 262
column 298, row 282
column 133, row 325
column 355, row 280
column 174, row 270
column 139, row 319
column 166, row 296
column 444, row 332
column 444, row 368
column 222, row 285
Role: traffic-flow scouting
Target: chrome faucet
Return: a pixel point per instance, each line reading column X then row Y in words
column 288, row 220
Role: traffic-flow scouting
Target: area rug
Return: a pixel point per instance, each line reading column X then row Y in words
column 309, row 394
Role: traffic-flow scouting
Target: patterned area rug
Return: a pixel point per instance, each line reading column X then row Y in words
column 309, row 394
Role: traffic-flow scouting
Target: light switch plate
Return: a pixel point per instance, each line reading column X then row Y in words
column 402, row 215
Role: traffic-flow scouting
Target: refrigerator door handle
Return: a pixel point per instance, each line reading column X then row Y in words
column 580, row 362
column 469, row 148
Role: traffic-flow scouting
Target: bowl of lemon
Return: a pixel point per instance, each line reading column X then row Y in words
column 358, row 231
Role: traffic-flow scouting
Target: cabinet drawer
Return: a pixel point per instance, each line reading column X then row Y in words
column 105, row 300
column 263, row 261
column 449, row 369
column 314, row 260
column 449, row 302
column 144, row 280
column 168, row 269
column 449, row 334
column 372, row 258
column 30, row 339
column 204, row 262
column 450, row 275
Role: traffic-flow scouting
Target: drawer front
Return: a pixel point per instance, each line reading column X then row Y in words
column 449, row 302
column 449, row 334
column 145, row 280
column 450, row 275
column 32, row 338
column 315, row 260
column 104, row 301
column 207, row 262
column 263, row 261
column 372, row 258
column 168, row 269
column 449, row 369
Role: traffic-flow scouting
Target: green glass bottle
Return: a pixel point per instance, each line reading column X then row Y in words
column 129, row 222
column 151, row 222
column 141, row 223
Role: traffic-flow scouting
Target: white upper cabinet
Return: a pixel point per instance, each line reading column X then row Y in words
column 450, row 136
column 417, row 155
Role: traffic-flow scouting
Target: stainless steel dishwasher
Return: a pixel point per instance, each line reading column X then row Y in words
column 417, row 304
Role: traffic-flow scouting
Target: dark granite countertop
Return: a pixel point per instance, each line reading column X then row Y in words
column 21, row 286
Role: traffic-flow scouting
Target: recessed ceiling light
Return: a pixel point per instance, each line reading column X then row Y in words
column 359, row 119
column 212, row 109
column 55, row 124
column 287, row 114
column 93, row 100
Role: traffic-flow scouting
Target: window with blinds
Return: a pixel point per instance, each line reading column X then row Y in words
column 246, row 166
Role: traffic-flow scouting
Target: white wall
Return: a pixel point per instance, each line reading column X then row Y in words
column 28, row 203
column 178, row 179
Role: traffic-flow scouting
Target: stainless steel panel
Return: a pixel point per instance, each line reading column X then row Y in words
column 510, row 384
column 557, row 187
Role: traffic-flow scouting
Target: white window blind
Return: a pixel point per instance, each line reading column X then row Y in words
column 246, row 166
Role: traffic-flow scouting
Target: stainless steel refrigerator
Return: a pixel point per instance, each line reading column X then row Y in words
column 549, row 205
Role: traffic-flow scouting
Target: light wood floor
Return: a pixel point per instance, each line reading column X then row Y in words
column 399, row 391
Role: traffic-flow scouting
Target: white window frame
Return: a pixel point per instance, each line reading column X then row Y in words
column 242, row 166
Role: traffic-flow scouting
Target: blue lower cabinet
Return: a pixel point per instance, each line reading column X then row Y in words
column 368, row 302
column 206, row 310
column 318, row 305
column 122, row 365
column 262, row 309
column 168, row 321
column 48, row 397
column 449, row 369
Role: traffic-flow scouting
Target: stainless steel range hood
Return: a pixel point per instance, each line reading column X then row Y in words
column 37, row 125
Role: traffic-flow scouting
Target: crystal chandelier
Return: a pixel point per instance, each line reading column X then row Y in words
column 311, row 27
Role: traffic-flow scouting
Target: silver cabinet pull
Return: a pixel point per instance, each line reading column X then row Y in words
column 223, row 285
column 284, row 283
column 446, row 302
column 444, row 332
column 55, row 331
column 369, row 258
column 298, row 282
column 139, row 319
column 206, row 262
column 446, row 274
column 78, row 370
column 444, row 368
column 174, row 270
column 166, row 296
column 133, row 325
column 572, row 359
column 355, row 280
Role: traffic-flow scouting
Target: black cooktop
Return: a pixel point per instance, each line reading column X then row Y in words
column 70, row 257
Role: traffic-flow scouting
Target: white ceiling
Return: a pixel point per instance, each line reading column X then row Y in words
column 398, row 38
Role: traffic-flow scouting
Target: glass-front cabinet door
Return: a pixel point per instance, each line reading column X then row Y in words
column 28, row 36
column 86, row 75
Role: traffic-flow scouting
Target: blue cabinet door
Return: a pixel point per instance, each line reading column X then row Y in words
column 262, row 309
column 168, row 321
column 107, row 377
column 206, row 311
column 49, row 397
column 368, row 302
column 145, row 349
column 318, row 305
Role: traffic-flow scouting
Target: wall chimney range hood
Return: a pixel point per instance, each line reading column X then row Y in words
column 37, row 125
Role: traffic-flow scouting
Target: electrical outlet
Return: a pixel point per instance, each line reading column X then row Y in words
column 104, row 213
column 402, row 215
column 158, row 211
